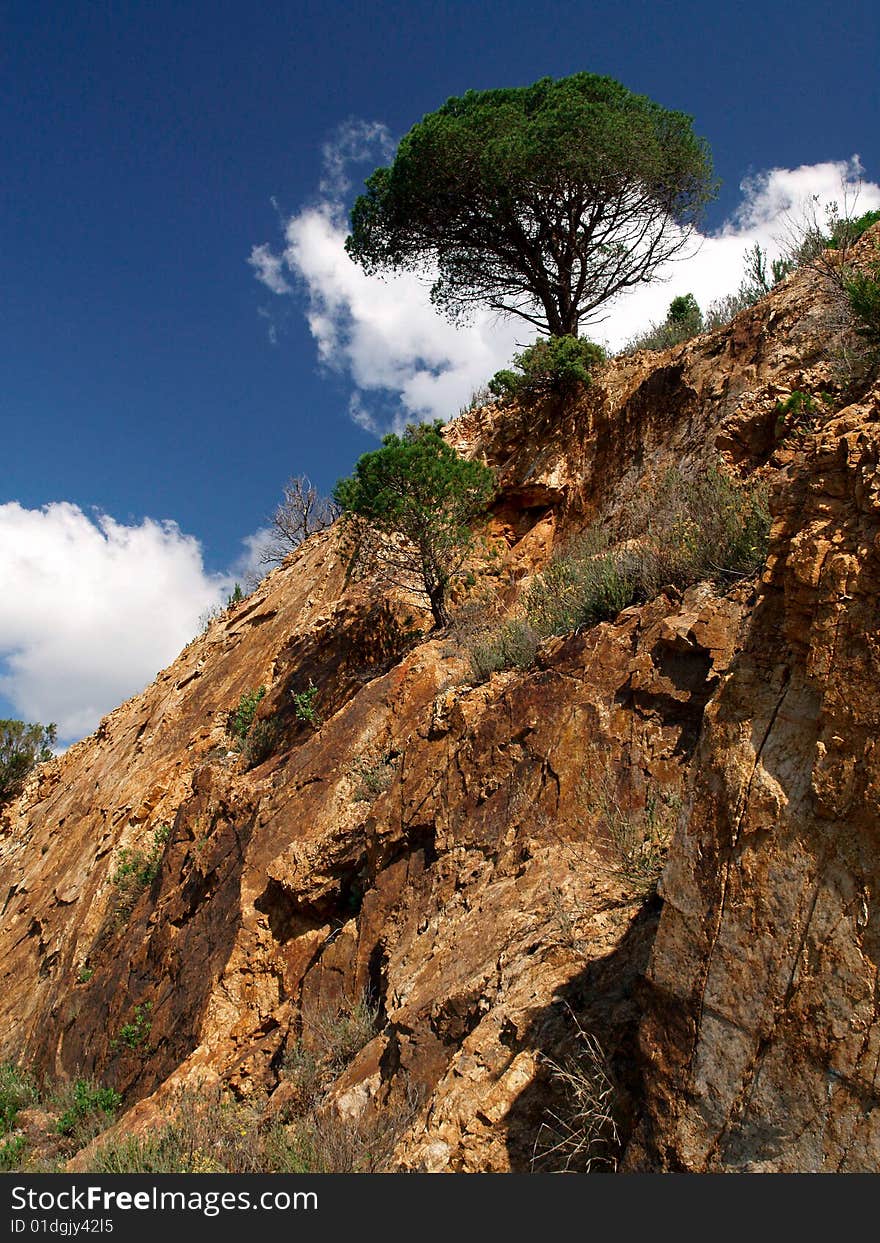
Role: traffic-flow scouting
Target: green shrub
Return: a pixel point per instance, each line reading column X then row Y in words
column 88, row 1102
column 553, row 365
column 844, row 233
column 304, row 706
column 512, row 644
column 863, row 294
column 11, row 1153
column 797, row 414
column 241, row 718
column 136, row 1033
column 17, row 1091
column 22, row 747
column 684, row 320
column 137, row 869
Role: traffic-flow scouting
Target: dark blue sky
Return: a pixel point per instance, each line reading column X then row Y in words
column 142, row 144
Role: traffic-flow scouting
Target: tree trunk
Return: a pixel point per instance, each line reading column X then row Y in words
column 438, row 609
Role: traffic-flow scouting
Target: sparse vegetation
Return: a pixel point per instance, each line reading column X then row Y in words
column 261, row 741
column 799, row 413
column 242, row 716
column 17, row 1091
column 685, row 531
column 135, row 1034
column 137, row 869
column 88, row 1107
column 22, row 747
column 74, row 1112
column 230, row 1138
column 309, row 1136
column 684, row 320
column 373, row 776
column 302, row 512
column 481, row 396
column 581, row 1136
column 304, row 706
column 332, row 1034
column 557, row 366
column 638, row 837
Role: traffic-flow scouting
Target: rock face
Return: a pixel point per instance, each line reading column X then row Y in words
column 443, row 846
column 762, row 1024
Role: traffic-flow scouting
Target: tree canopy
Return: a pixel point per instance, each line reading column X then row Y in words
column 542, row 201
column 412, row 503
column 22, row 747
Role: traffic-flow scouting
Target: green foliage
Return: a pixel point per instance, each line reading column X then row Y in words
column 542, row 201
column 304, row 706
column 11, row 1153
column 241, row 718
column 513, row 644
column 136, row 1033
column 236, row 597
column 84, row 975
column 863, row 293
column 17, row 1091
column 137, row 869
column 555, row 365
column 684, row 320
column 685, row 312
column 797, row 414
column 86, row 1100
column 684, row 531
column 22, row 747
column 409, row 506
column 845, row 232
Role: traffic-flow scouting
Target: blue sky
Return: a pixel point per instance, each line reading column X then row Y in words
column 149, row 378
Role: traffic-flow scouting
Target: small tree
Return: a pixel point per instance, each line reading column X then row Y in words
column 684, row 320
column 302, row 512
column 22, row 747
column 541, row 201
column 410, row 505
column 560, row 365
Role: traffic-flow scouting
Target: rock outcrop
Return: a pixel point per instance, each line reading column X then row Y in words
column 443, row 846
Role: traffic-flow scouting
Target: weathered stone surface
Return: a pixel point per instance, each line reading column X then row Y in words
column 762, row 1033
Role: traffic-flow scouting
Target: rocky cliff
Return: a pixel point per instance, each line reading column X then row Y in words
column 441, row 845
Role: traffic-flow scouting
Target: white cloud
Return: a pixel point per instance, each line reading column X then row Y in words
column 395, row 346
column 772, row 203
column 354, row 142
column 269, row 269
column 92, row 609
column 249, row 567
